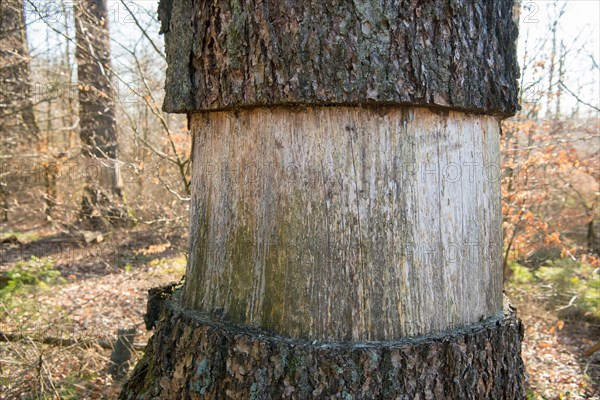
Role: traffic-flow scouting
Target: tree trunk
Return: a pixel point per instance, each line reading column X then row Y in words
column 17, row 121
column 98, row 130
column 345, row 219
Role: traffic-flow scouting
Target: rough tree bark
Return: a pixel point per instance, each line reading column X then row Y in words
column 345, row 221
column 97, row 123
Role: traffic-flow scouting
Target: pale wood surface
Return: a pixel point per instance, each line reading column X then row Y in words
column 346, row 223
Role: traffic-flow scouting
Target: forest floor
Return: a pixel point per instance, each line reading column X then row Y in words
column 554, row 349
column 93, row 284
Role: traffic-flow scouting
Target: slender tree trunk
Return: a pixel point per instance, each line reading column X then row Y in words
column 561, row 77
column 345, row 220
column 98, row 130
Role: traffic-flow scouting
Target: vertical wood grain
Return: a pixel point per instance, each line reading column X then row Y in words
column 345, row 223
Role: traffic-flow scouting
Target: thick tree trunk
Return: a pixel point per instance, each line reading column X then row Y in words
column 17, row 121
column 98, row 129
column 345, row 219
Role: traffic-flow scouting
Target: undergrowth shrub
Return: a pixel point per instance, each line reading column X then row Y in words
column 33, row 273
column 571, row 287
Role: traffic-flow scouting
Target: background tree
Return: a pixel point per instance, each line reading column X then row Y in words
column 97, row 121
column 550, row 154
column 17, row 121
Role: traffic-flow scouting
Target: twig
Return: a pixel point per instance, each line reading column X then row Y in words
column 577, row 97
column 63, row 342
column 568, row 305
column 160, row 53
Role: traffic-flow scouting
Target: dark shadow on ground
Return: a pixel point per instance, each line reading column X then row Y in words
column 95, row 253
column 575, row 336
